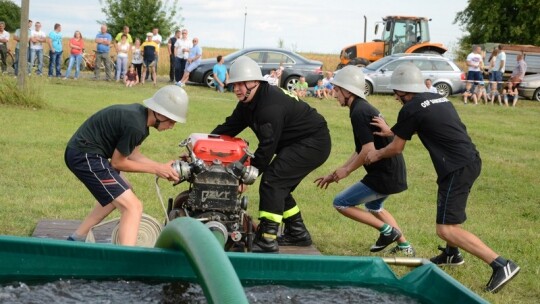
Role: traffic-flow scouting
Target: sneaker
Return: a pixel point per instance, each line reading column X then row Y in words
column 501, row 276
column 385, row 240
column 179, row 84
column 406, row 251
column 445, row 259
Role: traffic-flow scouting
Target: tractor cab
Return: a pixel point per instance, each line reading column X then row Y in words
column 401, row 33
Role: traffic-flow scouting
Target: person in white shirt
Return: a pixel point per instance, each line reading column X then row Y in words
column 272, row 78
column 499, row 67
column 37, row 37
column 475, row 64
column 430, row 87
column 181, row 53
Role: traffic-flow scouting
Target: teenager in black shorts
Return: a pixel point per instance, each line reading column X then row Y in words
column 456, row 161
column 107, row 143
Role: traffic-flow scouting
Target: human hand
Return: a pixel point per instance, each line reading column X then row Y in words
column 379, row 122
column 167, row 172
column 323, row 182
column 371, row 157
column 340, row 174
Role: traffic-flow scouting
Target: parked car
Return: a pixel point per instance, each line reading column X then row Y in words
column 530, row 87
column 268, row 58
column 445, row 75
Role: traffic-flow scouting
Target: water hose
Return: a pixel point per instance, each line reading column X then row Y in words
column 205, row 253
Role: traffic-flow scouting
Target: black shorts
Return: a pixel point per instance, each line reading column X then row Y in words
column 96, row 173
column 453, row 192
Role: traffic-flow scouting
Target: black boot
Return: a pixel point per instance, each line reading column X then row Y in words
column 295, row 232
column 265, row 237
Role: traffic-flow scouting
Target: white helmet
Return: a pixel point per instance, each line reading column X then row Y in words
column 245, row 69
column 351, row 78
column 170, row 101
column 407, row 78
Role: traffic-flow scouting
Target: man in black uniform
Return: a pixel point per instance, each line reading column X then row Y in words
column 456, row 161
column 293, row 141
column 382, row 179
column 108, row 143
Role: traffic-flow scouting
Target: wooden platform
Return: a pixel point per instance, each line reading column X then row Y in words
column 61, row 229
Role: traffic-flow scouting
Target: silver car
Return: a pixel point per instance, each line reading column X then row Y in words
column 445, row 75
column 530, row 87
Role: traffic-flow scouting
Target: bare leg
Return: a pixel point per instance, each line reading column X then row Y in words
column 456, row 236
column 95, row 217
column 130, row 208
column 373, row 219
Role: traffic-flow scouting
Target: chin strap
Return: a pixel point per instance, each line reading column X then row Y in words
column 157, row 122
column 248, row 93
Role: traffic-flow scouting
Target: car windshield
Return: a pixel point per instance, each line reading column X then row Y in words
column 377, row 64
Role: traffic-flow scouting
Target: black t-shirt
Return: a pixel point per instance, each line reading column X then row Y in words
column 440, row 129
column 172, row 40
column 388, row 175
column 121, row 127
column 277, row 118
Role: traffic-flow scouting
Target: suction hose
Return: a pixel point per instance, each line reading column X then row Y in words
column 202, row 247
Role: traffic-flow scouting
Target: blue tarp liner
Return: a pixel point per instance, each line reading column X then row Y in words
column 29, row 259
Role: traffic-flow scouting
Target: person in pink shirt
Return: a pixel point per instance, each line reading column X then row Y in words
column 77, row 45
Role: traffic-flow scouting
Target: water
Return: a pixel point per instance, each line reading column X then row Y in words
column 82, row 291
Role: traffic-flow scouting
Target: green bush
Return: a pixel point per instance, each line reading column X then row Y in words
column 31, row 95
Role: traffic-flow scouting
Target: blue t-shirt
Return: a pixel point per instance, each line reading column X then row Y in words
column 56, row 40
column 194, row 51
column 103, row 48
column 220, row 70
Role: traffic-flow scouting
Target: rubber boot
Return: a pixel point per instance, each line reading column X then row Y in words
column 295, row 232
column 265, row 237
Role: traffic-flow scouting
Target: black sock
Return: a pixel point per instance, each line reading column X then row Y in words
column 498, row 262
column 450, row 250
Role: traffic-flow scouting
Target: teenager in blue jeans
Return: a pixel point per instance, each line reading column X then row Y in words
column 382, row 179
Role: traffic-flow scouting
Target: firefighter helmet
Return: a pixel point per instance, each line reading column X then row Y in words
column 351, row 78
column 170, row 101
column 407, row 78
column 245, row 69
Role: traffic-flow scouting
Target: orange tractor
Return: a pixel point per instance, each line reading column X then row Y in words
column 401, row 34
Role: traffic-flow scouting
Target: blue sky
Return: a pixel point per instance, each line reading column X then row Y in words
column 324, row 27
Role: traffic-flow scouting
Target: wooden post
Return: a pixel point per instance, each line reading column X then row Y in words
column 23, row 44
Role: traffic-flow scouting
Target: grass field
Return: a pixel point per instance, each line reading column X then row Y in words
column 503, row 209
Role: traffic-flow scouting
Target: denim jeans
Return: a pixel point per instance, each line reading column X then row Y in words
column 358, row 194
column 16, row 60
column 74, row 60
column 55, row 63
column 33, row 54
column 121, row 67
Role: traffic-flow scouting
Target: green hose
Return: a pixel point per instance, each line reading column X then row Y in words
column 216, row 274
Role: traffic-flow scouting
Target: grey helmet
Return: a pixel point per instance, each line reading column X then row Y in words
column 407, row 78
column 170, row 101
column 351, row 78
column 245, row 69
